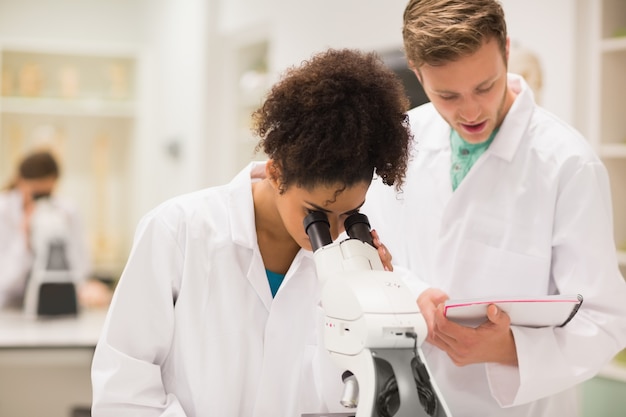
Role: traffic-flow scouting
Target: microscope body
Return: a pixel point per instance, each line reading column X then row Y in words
column 51, row 287
column 373, row 329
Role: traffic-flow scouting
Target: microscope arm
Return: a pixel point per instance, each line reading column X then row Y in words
column 373, row 329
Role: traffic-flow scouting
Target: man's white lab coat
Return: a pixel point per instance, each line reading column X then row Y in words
column 532, row 217
column 193, row 330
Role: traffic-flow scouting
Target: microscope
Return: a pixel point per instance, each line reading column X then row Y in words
column 373, row 328
column 51, row 289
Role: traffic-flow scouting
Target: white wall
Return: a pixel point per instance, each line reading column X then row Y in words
column 74, row 20
column 548, row 29
column 296, row 29
column 170, row 153
column 545, row 27
column 181, row 77
column 186, row 102
column 175, row 42
column 304, row 27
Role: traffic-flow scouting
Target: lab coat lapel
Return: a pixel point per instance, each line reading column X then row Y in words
column 504, row 146
column 513, row 129
column 287, row 336
column 243, row 229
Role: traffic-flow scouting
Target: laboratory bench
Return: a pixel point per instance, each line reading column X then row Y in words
column 45, row 363
column 45, row 368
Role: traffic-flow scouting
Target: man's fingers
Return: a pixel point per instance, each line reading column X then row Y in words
column 496, row 315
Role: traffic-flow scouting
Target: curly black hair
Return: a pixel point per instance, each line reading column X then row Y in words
column 338, row 118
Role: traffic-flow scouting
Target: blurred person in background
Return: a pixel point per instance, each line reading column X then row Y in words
column 35, row 180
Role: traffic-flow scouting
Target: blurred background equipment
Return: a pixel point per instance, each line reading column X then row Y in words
column 51, row 287
column 395, row 59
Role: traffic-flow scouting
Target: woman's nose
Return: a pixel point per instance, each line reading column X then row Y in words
column 336, row 227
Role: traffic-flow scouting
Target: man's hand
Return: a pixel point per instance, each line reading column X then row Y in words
column 428, row 301
column 492, row 341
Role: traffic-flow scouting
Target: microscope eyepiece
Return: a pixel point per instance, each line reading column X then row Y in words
column 357, row 226
column 317, row 227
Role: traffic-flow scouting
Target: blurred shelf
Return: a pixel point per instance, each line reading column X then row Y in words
column 67, row 107
column 80, row 98
column 614, row 150
column 603, row 68
column 613, row 44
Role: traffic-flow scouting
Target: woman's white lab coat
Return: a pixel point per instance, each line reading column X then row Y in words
column 16, row 257
column 193, row 330
column 532, row 217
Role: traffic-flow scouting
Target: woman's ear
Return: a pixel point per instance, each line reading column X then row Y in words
column 273, row 174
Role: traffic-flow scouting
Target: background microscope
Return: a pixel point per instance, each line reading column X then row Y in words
column 51, row 287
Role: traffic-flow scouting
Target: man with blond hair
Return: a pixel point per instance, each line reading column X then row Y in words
column 502, row 199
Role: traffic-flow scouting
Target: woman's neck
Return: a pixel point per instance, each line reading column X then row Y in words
column 278, row 248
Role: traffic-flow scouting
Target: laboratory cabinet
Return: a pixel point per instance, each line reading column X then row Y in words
column 45, row 364
column 603, row 88
column 79, row 100
column 602, row 91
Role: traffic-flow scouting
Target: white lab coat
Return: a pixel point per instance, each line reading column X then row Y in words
column 532, row 217
column 16, row 258
column 193, row 330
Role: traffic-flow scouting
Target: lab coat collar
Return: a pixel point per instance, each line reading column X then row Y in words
column 243, row 230
column 513, row 128
column 242, row 225
column 241, row 206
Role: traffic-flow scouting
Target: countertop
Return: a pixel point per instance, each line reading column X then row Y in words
column 18, row 330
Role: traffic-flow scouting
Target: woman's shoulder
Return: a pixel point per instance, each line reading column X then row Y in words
column 191, row 205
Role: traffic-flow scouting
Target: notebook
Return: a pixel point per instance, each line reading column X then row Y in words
column 544, row 311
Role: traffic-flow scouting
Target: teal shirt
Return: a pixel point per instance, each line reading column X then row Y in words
column 275, row 280
column 464, row 155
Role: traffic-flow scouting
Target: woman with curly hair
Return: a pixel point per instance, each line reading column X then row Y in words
column 217, row 311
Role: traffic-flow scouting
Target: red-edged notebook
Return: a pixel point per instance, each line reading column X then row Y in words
column 545, row 311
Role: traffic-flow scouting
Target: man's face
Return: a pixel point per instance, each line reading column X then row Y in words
column 471, row 93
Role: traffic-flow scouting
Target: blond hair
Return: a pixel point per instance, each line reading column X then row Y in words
column 439, row 31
